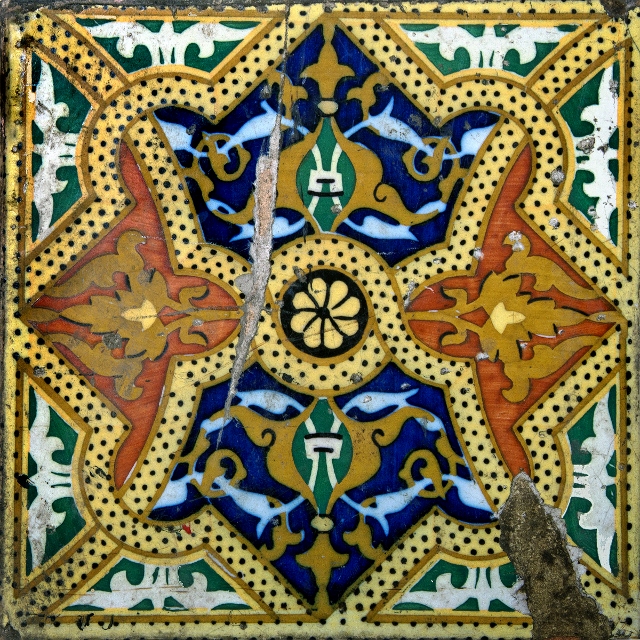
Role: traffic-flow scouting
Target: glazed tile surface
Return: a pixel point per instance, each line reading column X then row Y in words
column 447, row 296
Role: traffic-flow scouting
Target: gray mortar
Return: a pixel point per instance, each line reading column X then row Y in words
column 535, row 539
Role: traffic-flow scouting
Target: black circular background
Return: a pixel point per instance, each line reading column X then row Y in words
column 287, row 312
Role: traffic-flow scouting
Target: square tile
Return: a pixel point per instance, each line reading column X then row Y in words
column 293, row 294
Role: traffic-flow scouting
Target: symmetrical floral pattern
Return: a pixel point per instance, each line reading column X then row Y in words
column 446, row 304
column 516, row 316
column 326, row 314
column 138, row 319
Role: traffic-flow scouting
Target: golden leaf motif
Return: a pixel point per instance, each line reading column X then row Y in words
column 281, row 536
column 133, row 315
column 322, row 559
column 214, row 469
column 100, row 270
column 366, row 93
column 124, row 371
column 145, row 315
column 514, row 317
column 201, row 445
column 328, row 71
column 429, row 469
column 366, row 440
column 278, row 438
column 362, row 537
column 288, row 93
column 433, row 166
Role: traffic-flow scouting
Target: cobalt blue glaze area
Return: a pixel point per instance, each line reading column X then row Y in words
column 416, row 195
column 413, row 436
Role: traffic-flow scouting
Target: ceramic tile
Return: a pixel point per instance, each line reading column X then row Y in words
column 293, row 294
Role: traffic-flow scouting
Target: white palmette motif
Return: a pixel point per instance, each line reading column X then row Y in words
column 483, row 583
column 158, row 584
column 53, row 481
column 594, row 153
column 590, row 481
column 57, row 149
column 167, row 46
column 488, row 50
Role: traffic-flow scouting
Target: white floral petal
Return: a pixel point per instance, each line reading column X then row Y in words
column 332, row 337
column 312, row 337
column 302, row 301
column 318, row 290
column 300, row 320
column 348, row 327
column 337, row 293
column 348, row 310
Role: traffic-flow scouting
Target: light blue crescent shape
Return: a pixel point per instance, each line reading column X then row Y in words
column 471, row 142
column 375, row 228
column 179, row 138
column 378, row 400
column 258, row 127
column 256, row 504
column 219, row 207
column 469, row 492
column 437, row 206
column 388, row 503
column 268, row 400
column 435, row 424
column 281, row 228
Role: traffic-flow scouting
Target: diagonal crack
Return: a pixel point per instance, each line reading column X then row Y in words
column 260, row 252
